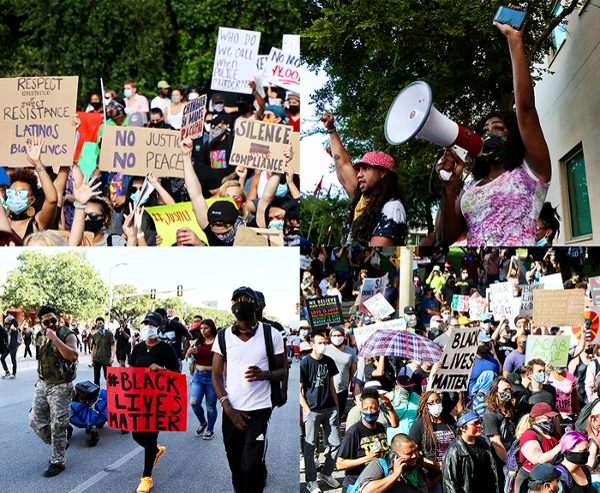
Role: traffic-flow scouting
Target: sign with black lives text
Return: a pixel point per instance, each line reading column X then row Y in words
column 235, row 60
column 457, row 361
column 192, row 120
column 378, row 306
column 370, row 287
column 283, row 70
column 38, row 107
column 501, row 299
column 137, row 151
column 527, row 299
column 141, row 400
column 324, row 311
column 260, row 145
column 595, row 290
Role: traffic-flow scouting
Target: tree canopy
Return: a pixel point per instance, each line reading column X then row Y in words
column 372, row 49
column 126, row 307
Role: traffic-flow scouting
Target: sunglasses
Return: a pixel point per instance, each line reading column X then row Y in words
column 23, row 194
column 243, row 298
column 93, row 215
column 476, row 423
column 135, row 189
column 47, row 323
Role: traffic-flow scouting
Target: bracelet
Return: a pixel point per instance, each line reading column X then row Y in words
column 39, row 170
column 141, row 235
column 78, row 206
column 268, row 374
column 223, row 399
column 331, row 131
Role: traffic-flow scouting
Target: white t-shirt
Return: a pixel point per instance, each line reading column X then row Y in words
column 242, row 354
column 162, row 103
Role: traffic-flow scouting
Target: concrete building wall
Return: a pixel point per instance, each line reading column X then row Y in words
column 568, row 102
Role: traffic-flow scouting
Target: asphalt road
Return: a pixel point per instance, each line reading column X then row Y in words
column 115, row 464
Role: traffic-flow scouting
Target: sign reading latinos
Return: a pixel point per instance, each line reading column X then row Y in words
column 460, row 303
column 378, row 306
column 260, row 145
column 192, row 120
column 550, row 349
column 457, row 361
column 137, row 151
column 283, row 70
column 362, row 334
column 324, row 311
column 38, row 107
column 235, row 60
column 141, row 400
column 595, row 290
column 563, row 307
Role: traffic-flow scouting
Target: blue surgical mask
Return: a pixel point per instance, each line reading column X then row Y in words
column 281, row 190
column 370, row 418
column 540, row 378
column 542, row 242
column 17, row 204
column 193, row 96
column 128, row 93
column 136, row 195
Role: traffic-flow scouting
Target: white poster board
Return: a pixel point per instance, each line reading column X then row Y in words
column 283, row 70
column 291, row 44
column 378, row 306
column 370, row 287
column 361, row 334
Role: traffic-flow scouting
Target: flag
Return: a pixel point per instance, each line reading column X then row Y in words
column 319, row 187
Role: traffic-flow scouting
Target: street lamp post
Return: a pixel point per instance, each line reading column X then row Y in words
column 110, row 289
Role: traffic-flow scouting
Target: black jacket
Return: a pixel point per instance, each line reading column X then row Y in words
column 457, row 468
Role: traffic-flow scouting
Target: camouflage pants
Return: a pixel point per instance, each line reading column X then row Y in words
column 49, row 416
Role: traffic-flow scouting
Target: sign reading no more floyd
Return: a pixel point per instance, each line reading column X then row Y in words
column 38, row 107
column 457, row 361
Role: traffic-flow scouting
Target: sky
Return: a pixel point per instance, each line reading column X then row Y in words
column 204, row 273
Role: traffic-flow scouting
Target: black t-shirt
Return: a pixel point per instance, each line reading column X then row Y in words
column 358, row 442
column 162, row 354
column 417, row 378
column 174, row 334
column 122, row 337
column 444, row 434
column 216, row 156
column 465, row 286
column 448, row 293
column 194, row 333
column 483, row 474
column 316, row 375
column 495, row 423
column 504, row 348
column 387, row 380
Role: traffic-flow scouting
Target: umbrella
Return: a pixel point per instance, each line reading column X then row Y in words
column 393, row 342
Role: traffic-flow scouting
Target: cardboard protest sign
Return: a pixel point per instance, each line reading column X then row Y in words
column 295, row 162
column 291, row 44
column 595, row 290
column 378, row 306
column 141, row 400
column 192, row 120
column 260, row 145
column 283, row 70
column 246, row 236
column 558, row 307
column 527, row 299
column 550, row 349
column 88, row 236
column 137, row 151
column 477, row 307
column 457, row 359
column 169, row 218
column 235, row 60
column 362, row 334
column 324, row 311
column 460, row 303
column 38, row 106
column 370, row 287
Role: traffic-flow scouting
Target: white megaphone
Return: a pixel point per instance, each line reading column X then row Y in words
column 413, row 115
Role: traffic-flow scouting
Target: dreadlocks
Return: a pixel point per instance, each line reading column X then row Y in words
column 429, row 440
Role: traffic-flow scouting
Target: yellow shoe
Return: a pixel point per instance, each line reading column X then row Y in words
column 161, row 450
column 145, row 485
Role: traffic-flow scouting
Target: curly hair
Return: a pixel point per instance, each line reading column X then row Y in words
column 429, row 439
column 25, row 176
column 107, row 210
column 514, row 144
column 491, row 398
column 388, row 189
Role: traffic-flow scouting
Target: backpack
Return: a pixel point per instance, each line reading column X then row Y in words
column 568, row 476
column 276, row 396
column 353, row 488
column 581, row 423
column 513, row 462
column 580, row 376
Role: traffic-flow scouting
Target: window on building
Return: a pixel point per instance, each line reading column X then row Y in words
column 559, row 33
column 579, row 202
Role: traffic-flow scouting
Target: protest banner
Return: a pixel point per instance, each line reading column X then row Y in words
column 553, row 281
column 362, row 334
column 137, row 151
column 42, row 107
column 378, row 306
column 305, row 262
column 477, row 307
column 527, row 299
column 169, row 218
column 324, row 311
column 141, row 400
column 550, row 349
column 291, row 44
column 192, row 120
column 460, row 303
column 235, row 60
column 246, row 236
column 370, row 287
column 595, row 290
column 501, row 297
column 457, row 360
column 88, row 236
column 558, row 307
column 260, row 145
column 283, row 70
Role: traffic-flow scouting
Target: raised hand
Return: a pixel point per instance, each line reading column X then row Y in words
column 82, row 192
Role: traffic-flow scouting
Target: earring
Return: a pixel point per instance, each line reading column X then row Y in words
column 30, row 211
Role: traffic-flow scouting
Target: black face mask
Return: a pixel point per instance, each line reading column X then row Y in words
column 547, row 426
column 243, row 108
column 94, row 225
column 494, row 148
column 577, row 457
column 155, row 125
column 483, row 350
column 96, row 105
column 243, row 310
column 294, row 110
column 589, row 350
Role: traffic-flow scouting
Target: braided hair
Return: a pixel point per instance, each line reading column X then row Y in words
column 429, row 439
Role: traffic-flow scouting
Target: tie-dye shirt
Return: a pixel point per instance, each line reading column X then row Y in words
column 505, row 211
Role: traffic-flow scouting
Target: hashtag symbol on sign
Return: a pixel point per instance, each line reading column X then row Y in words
column 112, row 380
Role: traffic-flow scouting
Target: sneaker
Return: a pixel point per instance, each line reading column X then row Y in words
column 6, row 375
column 208, row 435
column 301, row 464
column 12, row 377
column 145, row 485
column 313, row 487
column 330, row 480
column 201, row 429
column 53, row 470
column 161, row 450
column 317, row 464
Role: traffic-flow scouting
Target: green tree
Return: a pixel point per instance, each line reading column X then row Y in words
column 320, row 213
column 65, row 280
column 371, row 49
column 126, row 307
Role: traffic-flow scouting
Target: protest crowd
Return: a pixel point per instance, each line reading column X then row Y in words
column 490, row 377
column 203, row 163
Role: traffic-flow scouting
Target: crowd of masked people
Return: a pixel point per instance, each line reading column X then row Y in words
column 40, row 201
column 376, row 425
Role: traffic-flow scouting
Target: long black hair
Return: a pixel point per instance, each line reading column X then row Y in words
column 213, row 331
column 388, row 189
column 514, row 144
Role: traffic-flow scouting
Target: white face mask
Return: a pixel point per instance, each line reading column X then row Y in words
column 149, row 332
column 445, row 317
column 435, row 409
column 337, row 340
column 486, row 326
column 320, row 348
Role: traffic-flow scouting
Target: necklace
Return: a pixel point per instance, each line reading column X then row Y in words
column 148, row 347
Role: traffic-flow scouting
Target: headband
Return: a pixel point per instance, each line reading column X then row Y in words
column 463, row 420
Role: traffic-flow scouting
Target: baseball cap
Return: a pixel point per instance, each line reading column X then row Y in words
column 153, row 318
column 218, row 118
column 293, row 96
column 137, row 119
column 245, row 290
column 245, row 98
column 374, row 384
column 484, row 317
column 410, row 310
column 435, row 318
column 222, row 211
column 542, row 409
column 163, row 84
column 437, row 267
column 377, row 159
column 337, row 328
column 463, row 320
column 404, row 381
column 217, row 99
column 305, row 346
column 544, row 473
column 483, row 337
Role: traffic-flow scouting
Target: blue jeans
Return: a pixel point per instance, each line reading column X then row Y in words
column 202, row 386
